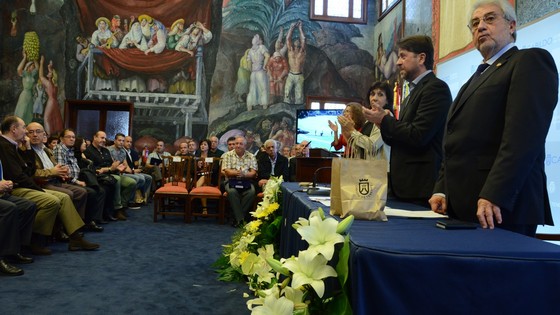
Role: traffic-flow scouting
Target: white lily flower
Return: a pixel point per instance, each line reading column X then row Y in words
column 274, row 306
column 310, row 268
column 321, row 235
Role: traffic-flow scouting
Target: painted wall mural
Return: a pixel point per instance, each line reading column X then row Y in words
column 261, row 60
column 273, row 56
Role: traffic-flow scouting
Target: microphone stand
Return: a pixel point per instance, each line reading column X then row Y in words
column 314, row 190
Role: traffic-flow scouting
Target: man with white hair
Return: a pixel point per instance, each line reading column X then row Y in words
column 271, row 164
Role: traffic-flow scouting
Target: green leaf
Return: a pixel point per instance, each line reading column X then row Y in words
column 343, row 257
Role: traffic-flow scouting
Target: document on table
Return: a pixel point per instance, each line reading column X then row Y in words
column 428, row 214
column 325, row 200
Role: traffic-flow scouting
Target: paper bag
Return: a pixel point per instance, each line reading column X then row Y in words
column 359, row 187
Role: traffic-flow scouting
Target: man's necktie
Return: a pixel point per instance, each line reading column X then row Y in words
column 481, row 67
column 405, row 101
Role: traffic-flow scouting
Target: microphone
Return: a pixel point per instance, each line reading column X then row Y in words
column 317, row 191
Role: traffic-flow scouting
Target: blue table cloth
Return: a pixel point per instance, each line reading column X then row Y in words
column 408, row 266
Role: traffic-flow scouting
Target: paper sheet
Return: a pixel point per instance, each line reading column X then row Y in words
column 413, row 214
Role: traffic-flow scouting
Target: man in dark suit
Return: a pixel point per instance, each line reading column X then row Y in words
column 416, row 137
column 493, row 170
column 16, row 223
column 271, row 163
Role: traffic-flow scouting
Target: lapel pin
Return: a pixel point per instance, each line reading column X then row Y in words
column 499, row 64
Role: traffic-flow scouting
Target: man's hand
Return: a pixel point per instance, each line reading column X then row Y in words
column 80, row 183
column 375, row 114
column 486, row 211
column 262, row 182
column 438, row 204
column 6, row 186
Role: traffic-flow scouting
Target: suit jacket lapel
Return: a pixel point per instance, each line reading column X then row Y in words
column 467, row 89
column 414, row 94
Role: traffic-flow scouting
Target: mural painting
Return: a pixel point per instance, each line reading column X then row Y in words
column 278, row 57
column 265, row 59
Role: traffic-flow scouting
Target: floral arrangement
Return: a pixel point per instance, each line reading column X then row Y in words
column 295, row 285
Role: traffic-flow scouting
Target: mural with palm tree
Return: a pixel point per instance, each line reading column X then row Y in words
column 267, row 17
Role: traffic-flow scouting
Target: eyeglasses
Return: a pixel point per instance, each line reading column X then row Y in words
column 488, row 19
column 37, row 132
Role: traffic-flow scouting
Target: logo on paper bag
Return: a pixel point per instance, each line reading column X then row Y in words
column 364, row 187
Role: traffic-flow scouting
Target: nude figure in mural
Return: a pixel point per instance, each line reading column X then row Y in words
column 27, row 70
column 258, row 87
column 52, row 115
column 296, row 60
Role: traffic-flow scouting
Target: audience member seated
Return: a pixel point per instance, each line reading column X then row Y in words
column 104, row 164
column 16, row 225
column 133, row 161
column 240, row 168
column 143, row 181
column 271, row 163
column 50, row 203
column 89, row 175
column 64, row 155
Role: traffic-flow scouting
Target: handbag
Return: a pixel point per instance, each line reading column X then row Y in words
column 106, row 179
column 362, row 191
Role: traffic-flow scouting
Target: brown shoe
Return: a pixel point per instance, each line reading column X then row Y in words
column 39, row 250
column 78, row 243
column 121, row 216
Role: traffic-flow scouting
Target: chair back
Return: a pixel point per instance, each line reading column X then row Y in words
column 207, row 168
column 175, row 170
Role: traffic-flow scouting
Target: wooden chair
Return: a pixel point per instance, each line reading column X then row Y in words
column 175, row 186
column 202, row 174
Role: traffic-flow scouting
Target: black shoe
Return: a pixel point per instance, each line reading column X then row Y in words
column 9, row 270
column 110, row 218
column 102, row 221
column 93, row 227
column 133, row 206
column 18, row 259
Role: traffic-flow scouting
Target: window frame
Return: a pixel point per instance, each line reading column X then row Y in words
column 383, row 13
column 329, row 18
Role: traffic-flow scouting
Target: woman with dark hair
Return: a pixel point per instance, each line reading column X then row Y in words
column 109, row 188
column 377, row 91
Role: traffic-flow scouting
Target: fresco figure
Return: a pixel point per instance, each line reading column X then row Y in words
column 146, row 23
column 195, row 35
column 82, row 48
column 296, row 60
column 277, row 72
column 279, row 46
column 283, row 132
column 243, row 77
column 158, row 40
column 134, row 38
column 39, row 101
column 386, row 63
column 27, row 70
column 52, row 116
column 258, row 87
column 118, row 33
column 101, row 36
column 177, row 30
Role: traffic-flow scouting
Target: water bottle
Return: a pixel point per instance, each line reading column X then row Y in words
column 145, row 154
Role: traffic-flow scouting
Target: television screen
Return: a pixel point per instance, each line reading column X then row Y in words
column 312, row 125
